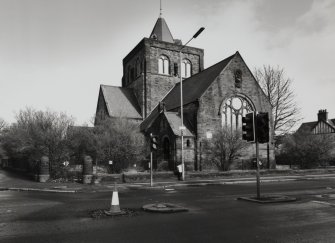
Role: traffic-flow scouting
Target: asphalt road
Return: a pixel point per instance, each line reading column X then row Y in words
column 214, row 215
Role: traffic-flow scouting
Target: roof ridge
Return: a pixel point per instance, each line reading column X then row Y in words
column 309, row 122
column 208, row 68
column 106, row 85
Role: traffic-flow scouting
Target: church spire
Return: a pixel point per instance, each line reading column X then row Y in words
column 161, row 30
column 160, row 9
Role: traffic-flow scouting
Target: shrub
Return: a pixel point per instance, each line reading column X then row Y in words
column 35, row 134
column 306, row 150
column 224, row 148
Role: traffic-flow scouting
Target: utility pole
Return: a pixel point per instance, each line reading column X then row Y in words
column 151, row 177
column 182, row 127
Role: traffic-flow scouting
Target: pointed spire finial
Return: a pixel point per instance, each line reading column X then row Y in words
column 160, row 9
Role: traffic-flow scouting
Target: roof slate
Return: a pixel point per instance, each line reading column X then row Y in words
column 194, row 86
column 121, row 102
column 307, row 126
column 162, row 31
column 175, row 121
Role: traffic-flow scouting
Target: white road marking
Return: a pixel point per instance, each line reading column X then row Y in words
column 325, row 203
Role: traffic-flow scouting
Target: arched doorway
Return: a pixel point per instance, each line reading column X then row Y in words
column 167, row 152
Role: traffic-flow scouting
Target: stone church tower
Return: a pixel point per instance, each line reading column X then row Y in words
column 151, row 69
column 214, row 98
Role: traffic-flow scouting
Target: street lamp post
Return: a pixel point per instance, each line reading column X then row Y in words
column 182, row 128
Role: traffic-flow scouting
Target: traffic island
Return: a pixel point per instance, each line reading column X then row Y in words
column 112, row 213
column 269, row 199
column 164, row 208
column 102, row 213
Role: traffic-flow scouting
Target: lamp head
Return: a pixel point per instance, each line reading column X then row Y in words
column 198, row 32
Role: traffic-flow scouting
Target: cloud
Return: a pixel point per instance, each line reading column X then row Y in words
column 273, row 15
column 318, row 18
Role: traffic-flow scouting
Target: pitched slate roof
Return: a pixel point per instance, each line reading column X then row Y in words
column 162, row 31
column 309, row 126
column 174, row 121
column 330, row 123
column 194, row 86
column 121, row 102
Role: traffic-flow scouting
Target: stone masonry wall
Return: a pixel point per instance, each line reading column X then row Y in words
column 209, row 119
column 158, row 85
column 102, row 112
column 136, row 82
column 150, row 87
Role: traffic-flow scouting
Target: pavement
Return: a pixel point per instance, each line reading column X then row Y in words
column 15, row 182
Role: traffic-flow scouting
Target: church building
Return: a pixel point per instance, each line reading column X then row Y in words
column 213, row 98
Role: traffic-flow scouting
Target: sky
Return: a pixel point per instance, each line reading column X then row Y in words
column 54, row 54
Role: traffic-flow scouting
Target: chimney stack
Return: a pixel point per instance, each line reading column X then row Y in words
column 322, row 115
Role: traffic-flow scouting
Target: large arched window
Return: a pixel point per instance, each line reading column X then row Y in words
column 232, row 111
column 163, row 65
column 185, row 68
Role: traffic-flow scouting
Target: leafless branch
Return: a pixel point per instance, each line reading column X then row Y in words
column 278, row 90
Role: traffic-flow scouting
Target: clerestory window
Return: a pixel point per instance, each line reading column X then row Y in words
column 185, row 69
column 163, row 65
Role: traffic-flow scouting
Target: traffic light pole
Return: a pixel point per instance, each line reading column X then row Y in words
column 257, row 173
column 258, row 183
column 151, row 177
column 255, row 128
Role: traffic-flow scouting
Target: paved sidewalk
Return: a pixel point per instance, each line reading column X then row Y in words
column 17, row 182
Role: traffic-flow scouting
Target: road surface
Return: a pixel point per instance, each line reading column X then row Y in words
column 214, row 215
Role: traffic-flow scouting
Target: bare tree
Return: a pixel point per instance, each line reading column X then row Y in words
column 278, row 90
column 3, row 124
column 225, row 147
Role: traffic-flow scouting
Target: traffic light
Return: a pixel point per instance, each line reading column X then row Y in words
column 248, row 127
column 153, row 142
column 262, row 129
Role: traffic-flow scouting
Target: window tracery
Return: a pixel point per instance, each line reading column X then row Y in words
column 232, row 111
